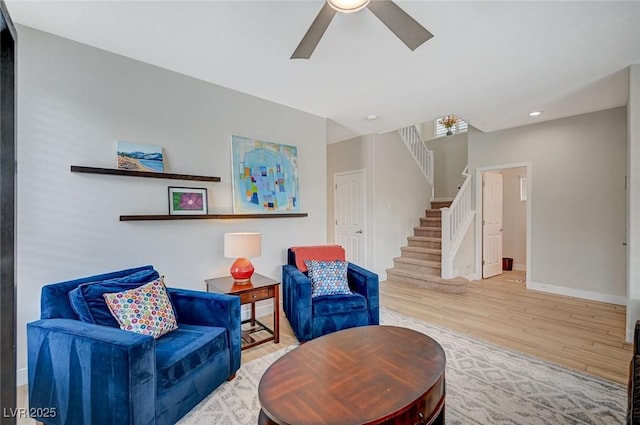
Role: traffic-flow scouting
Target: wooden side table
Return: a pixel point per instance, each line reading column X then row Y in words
column 258, row 288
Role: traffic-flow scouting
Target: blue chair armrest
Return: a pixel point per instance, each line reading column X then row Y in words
column 211, row 309
column 366, row 284
column 70, row 362
column 296, row 288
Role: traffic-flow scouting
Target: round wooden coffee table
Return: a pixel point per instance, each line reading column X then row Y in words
column 363, row 375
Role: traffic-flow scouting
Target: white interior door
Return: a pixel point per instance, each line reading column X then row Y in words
column 491, row 224
column 350, row 201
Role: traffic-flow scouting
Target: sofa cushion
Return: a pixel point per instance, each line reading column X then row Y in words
column 328, row 277
column 146, row 310
column 88, row 302
column 337, row 304
column 184, row 350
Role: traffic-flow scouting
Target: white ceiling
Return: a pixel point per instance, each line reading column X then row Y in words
column 489, row 62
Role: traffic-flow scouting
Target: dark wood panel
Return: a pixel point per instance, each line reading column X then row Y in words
column 151, row 174
column 7, row 216
column 207, row 216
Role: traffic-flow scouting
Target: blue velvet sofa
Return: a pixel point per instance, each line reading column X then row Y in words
column 313, row 317
column 87, row 373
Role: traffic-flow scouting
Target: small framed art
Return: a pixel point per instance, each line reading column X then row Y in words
column 187, row 201
column 139, row 157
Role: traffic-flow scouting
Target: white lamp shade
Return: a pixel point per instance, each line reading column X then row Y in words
column 242, row 245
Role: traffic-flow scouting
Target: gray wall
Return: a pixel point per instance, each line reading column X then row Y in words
column 351, row 155
column 577, row 195
column 401, row 197
column 397, row 192
column 74, row 102
column 450, row 158
column 514, row 218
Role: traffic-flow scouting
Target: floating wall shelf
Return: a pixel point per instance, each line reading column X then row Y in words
column 208, row 216
column 131, row 173
column 149, row 217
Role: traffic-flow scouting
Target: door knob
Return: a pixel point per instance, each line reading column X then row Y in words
column 359, row 231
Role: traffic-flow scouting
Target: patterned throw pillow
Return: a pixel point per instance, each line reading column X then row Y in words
column 146, row 310
column 328, row 277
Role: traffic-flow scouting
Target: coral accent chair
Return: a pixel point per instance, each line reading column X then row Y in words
column 313, row 317
column 88, row 373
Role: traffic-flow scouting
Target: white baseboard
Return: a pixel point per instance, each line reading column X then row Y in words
column 578, row 293
column 473, row 276
column 520, row 267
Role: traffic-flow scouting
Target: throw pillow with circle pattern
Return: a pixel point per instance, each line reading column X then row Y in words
column 146, row 310
column 328, row 277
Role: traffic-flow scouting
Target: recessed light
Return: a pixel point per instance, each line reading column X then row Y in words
column 535, row 113
column 372, row 117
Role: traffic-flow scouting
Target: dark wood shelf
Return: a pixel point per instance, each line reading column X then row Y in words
column 208, row 216
column 131, row 173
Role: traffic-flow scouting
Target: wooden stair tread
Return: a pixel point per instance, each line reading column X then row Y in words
column 457, row 281
column 432, row 228
column 422, row 250
column 431, row 219
column 424, row 238
column 417, row 262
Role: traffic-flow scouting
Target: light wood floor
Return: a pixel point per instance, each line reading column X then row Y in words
column 581, row 334
column 584, row 335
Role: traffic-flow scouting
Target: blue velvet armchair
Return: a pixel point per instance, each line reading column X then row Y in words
column 313, row 317
column 87, row 373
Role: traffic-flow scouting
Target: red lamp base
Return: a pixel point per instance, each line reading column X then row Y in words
column 241, row 270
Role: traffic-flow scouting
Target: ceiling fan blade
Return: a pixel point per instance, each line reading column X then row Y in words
column 314, row 33
column 407, row 29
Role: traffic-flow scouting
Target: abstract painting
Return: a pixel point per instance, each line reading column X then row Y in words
column 139, row 157
column 265, row 177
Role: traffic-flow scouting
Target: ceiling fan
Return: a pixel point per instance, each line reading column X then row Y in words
column 407, row 29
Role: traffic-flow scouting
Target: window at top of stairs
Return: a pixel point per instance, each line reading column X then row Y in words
column 441, row 131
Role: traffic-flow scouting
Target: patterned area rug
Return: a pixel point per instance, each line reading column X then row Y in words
column 486, row 384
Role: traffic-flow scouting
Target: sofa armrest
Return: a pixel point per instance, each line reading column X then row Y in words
column 296, row 290
column 211, row 309
column 69, row 363
column 366, row 284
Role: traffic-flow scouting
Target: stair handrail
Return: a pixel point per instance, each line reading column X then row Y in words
column 420, row 152
column 455, row 222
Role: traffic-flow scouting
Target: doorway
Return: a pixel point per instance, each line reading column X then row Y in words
column 503, row 226
column 350, row 214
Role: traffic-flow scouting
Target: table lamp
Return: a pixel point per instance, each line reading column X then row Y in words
column 242, row 246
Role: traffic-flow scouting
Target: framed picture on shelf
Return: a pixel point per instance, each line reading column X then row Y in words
column 139, row 157
column 187, row 201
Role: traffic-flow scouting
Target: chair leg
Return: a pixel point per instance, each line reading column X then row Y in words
column 231, row 377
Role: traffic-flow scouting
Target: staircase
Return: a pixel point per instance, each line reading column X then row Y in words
column 420, row 261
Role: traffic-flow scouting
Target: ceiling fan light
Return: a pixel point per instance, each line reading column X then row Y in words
column 348, row 6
